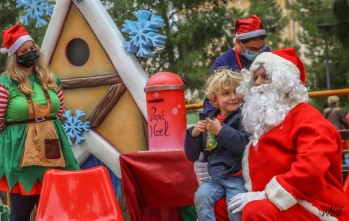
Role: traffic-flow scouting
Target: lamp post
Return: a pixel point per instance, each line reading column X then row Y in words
column 325, row 30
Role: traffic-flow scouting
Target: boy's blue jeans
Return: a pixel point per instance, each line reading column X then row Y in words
column 212, row 190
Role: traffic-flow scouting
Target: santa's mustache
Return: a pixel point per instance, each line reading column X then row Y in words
column 263, row 94
column 260, row 89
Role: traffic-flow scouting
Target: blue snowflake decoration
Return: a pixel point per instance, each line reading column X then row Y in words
column 144, row 33
column 74, row 127
column 35, row 9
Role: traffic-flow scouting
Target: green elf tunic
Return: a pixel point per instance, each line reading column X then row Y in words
column 27, row 180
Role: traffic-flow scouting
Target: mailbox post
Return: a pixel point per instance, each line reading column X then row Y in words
column 166, row 111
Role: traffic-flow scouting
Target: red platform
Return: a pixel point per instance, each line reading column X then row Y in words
column 78, row 195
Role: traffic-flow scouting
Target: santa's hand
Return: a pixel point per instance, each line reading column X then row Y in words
column 238, row 202
column 201, row 172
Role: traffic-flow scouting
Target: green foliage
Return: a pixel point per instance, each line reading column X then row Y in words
column 8, row 17
column 273, row 21
column 311, row 14
column 341, row 13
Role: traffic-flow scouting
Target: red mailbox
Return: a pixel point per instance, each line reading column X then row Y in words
column 166, row 111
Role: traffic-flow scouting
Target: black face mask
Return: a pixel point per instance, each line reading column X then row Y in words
column 28, row 59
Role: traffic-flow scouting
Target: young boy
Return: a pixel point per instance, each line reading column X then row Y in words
column 222, row 139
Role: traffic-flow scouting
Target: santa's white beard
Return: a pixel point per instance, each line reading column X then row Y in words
column 264, row 108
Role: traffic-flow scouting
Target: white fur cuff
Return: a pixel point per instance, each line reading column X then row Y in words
column 278, row 195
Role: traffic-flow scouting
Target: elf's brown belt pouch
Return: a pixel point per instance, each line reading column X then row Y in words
column 42, row 146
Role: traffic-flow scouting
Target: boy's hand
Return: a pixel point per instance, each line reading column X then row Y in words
column 213, row 126
column 200, row 127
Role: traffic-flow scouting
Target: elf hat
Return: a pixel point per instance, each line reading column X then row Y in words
column 291, row 55
column 249, row 28
column 13, row 38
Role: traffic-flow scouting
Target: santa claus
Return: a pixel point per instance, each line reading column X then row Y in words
column 292, row 166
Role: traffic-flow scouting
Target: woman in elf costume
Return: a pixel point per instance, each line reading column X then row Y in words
column 32, row 138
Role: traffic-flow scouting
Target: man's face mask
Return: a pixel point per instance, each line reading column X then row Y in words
column 251, row 55
column 28, row 59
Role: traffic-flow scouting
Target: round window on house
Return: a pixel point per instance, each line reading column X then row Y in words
column 77, row 52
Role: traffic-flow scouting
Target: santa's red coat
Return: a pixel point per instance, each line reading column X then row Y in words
column 300, row 162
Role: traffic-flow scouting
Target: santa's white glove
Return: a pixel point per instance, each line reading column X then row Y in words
column 238, row 202
column 201, row 172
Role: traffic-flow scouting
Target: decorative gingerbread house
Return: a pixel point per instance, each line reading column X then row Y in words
column 84, row 49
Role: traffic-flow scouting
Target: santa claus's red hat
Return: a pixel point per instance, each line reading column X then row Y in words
column 290, row 54
column 13, row 38
column 249, row 27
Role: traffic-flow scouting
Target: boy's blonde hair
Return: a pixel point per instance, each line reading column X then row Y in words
column 41, row 69
column 223, row 78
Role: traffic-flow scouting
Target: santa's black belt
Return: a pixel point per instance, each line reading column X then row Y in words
column 36, row 120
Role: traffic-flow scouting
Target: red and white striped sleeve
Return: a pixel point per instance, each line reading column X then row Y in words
column 61, row 99
column 3, row 105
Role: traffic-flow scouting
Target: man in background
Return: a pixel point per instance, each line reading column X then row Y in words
column 249, row 41
column 335, row 114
